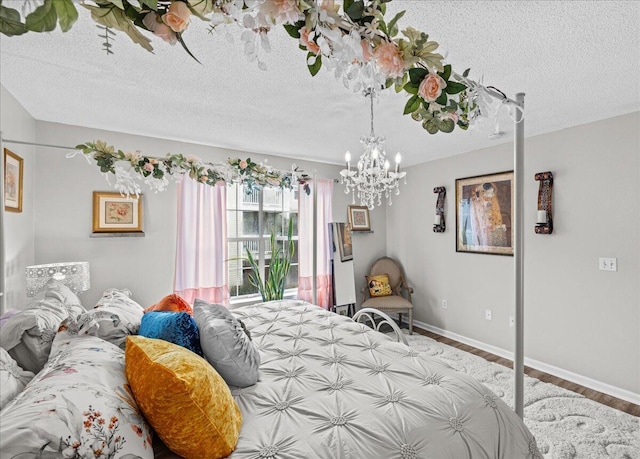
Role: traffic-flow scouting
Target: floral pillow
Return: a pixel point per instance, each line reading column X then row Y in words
column 379, row 285
column 225, row 344
column 12, row 378
column 118, row 316
column 78, row 406
column 27, row 336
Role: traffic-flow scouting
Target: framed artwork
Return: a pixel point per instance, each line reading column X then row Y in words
column 344, row 237
column 342, row 310
column 115, row 213
column 484, row 209
column 13, row 173
column 359, row 218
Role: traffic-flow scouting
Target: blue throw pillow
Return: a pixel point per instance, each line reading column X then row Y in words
column 176, row 327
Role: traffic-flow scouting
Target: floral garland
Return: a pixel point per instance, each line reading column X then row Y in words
column 353, row 40
column 154, row 171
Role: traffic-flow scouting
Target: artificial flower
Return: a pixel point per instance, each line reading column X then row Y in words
column 389, row 59
column 177, row 17
column 243, row 164
column 148, row 167
column 159, row 29
column 281, row 11
column 307, row 43
column 431, row 87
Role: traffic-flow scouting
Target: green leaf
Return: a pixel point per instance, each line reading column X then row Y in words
column 411, row 88
column 67, row 13
column 412, row 105
column 293, row 30
column 43, row 19
column 392, row 27
column 10, row 23
column 315, row 67
column 466, row 73
column 430, row 126
column 417, row 74
column 184, row 45
column 355, row 10
column 111, row 16
column 200, row 8
column 446, row 73
column 442, row 100
column 446, row 125
column 454, row 88
column 153, row 4
column 346, row 5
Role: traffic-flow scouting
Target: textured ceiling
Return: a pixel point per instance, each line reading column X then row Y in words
column 577, row 62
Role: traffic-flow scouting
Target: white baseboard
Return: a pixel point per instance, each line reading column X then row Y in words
column 585, row 381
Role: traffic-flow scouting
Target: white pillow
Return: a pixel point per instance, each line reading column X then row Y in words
column 118, row 316
column 27, row 335
column 12, row 378
column 79, row 405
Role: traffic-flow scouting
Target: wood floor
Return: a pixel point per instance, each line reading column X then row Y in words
column 599, row 397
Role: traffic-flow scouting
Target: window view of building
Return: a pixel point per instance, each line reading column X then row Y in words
column 251, row 217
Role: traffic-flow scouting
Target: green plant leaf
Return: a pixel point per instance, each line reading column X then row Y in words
column 454, row 87
column 430, row 126
column 446, row 73
column 417, row 74
column 446, row 125
column 200, row 8
column 346, row 5
column 43, row 19
column 392, row 27
column 412, row 104
column 67, row 13
column 113, row 17
column 184, row 45
column 466, row 73
column 442, row 100
column 294, row 29
column 10, row 23
column 411, row 88
column 355, row 10
column 315, row 67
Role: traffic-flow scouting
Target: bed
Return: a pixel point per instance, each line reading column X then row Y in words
column 328, row 388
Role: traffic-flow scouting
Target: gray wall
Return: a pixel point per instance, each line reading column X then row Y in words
column 18, row 228
column 144, row 265
column 577, row 318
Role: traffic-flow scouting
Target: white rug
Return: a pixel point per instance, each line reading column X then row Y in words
column 565, row 424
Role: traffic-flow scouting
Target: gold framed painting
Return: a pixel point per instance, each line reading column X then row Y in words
column 359, row 218
column 484, row 210
column 115, row 213
column 13, row 181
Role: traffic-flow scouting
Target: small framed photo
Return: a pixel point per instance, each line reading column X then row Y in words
column 115, row 213
column 359, row 218
column 484, row 210
column 342, row 310
column 345, row 246
column 13, row 173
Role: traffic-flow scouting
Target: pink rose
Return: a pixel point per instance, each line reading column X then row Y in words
column 431, row 87
column 309, row 44
column 148, row 167
column 177, row 17
column 159, row 29
column 243, row 164
column 389, row 58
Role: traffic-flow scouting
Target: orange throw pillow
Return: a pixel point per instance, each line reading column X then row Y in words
column 171, row 303
column 379, row 285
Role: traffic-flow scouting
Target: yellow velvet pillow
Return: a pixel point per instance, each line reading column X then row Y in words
column 379, row 285
column 184, row 399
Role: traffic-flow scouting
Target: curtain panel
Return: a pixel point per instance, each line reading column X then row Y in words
column 201, row 248
column 305, row 244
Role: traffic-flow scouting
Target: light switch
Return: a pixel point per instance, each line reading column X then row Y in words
column 608, row 264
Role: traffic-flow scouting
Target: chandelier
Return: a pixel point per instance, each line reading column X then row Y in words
column 372, row 177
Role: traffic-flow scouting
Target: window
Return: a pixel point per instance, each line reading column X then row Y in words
column 251, row 216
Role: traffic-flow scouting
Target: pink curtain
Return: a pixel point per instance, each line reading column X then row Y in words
column 201, row 248
column 305, row 244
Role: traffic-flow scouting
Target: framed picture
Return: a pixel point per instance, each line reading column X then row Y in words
column 359, row 218
column 484, row 209
column 342, row 310
column 13, row 172
column 115, row 213
column 344, row 238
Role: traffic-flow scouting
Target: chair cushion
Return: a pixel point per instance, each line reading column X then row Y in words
column 226, row 345
column 379, row 285
column 391, row 302
column 186, row 402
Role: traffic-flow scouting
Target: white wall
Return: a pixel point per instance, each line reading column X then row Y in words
column 577, row 318
column 17, row 124
column 144, row 265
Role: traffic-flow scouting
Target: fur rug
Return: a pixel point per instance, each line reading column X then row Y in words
column 566, row 424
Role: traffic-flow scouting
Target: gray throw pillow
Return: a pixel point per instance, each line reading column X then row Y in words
column 225, row 344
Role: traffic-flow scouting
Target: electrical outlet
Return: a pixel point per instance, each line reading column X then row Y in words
column 608, row 264
column 487, row 314
column 444, row 304
column 512, row 321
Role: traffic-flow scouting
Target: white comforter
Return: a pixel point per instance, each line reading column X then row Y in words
column 332, row 388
